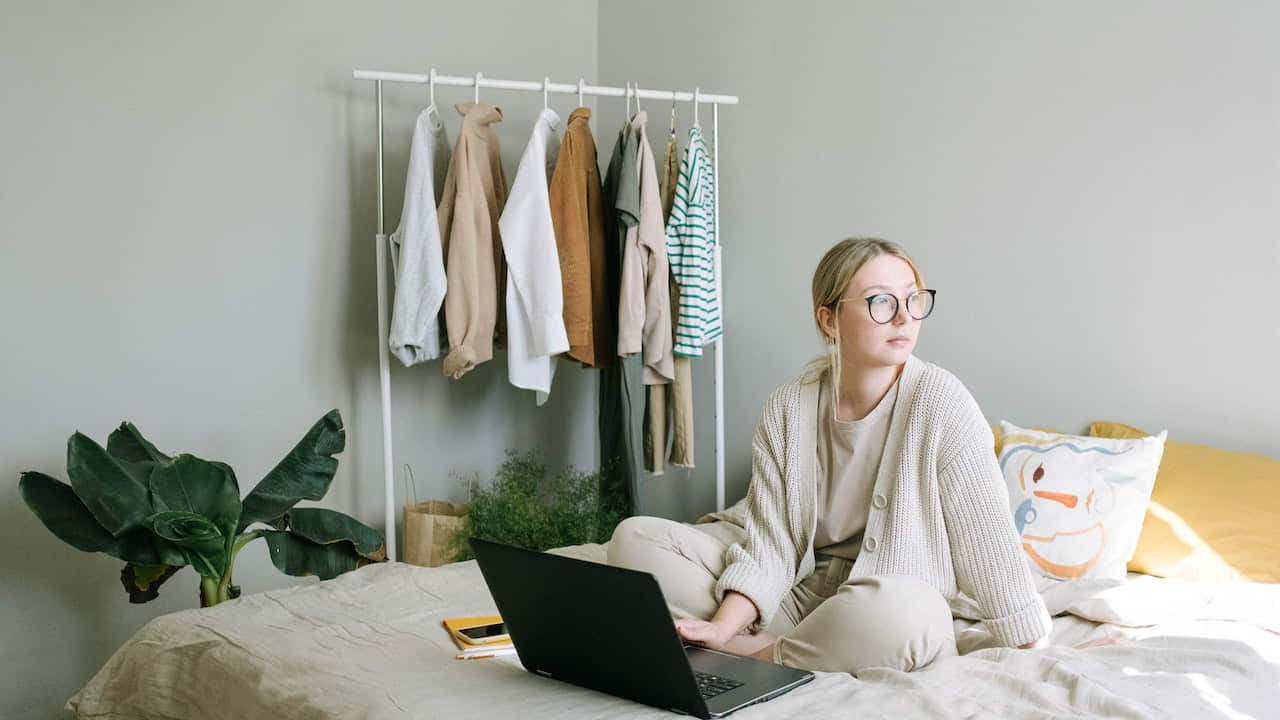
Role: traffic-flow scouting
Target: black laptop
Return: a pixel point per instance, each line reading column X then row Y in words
column 608, row 629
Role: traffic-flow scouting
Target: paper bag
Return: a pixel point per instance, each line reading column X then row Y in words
column 429, row 528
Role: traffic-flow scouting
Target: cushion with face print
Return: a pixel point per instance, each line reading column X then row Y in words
column 1078, row 502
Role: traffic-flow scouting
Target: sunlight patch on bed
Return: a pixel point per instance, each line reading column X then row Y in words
column 1215, row 698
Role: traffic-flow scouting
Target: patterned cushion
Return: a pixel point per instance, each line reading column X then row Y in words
column 1078, row 502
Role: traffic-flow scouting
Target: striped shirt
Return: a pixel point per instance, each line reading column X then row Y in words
column 691, row 241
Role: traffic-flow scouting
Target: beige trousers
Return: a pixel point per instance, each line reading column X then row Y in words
column 828, row 621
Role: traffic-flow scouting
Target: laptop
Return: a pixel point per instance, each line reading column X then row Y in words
column 608, row 629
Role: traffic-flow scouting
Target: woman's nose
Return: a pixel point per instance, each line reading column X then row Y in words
column 902, row 317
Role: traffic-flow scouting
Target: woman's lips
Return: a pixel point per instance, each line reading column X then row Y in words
column 900, row 341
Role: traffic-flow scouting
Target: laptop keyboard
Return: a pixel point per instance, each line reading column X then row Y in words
column 712, row 685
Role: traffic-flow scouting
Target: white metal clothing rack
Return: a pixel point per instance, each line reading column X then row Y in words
column 545, row 86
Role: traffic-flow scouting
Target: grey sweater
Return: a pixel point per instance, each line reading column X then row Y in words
column 940, row 510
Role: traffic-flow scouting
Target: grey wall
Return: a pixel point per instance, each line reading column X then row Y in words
column 187, row 209
column 1092, row 187
column 186, row 203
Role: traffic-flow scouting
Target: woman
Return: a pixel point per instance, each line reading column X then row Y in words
column 875, row 508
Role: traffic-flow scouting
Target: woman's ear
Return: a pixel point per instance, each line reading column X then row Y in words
column 826, row 321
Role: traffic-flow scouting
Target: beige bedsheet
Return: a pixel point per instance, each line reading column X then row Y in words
column 369, row 645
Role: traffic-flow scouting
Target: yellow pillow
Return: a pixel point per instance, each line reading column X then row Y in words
column 997, row 434
column 1213, row 514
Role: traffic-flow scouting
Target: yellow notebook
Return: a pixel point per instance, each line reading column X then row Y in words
column 496, row 637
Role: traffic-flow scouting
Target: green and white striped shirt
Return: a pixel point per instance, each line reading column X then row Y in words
column 691, row 242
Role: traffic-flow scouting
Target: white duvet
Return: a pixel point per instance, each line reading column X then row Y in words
column 369, row 645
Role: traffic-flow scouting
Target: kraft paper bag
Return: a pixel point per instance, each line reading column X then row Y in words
column 429, row 528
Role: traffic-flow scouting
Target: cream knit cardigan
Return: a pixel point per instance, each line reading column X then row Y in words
column 939, row 511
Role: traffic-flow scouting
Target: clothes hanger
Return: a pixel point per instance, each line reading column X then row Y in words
column 637, row 90
column 431, row 83
column 673, row 115
column 695, row 106
column 579, row 92
column 627, row 116
column 478, row 76
column 546, row 84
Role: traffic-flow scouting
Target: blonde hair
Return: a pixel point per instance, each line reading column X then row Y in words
column 831, row 278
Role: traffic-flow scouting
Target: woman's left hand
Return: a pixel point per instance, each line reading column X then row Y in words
column 703, row 633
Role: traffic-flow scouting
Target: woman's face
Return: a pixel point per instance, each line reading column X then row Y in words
column 863, row 340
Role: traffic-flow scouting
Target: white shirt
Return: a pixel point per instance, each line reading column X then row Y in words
column 849, row 453
column 416, row 252
column 535, row 296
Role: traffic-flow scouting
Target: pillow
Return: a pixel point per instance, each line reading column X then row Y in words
column 997, row 435
column 1213, row 515
column 1078, row 502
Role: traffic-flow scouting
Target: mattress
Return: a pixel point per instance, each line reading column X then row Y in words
column 369, row 644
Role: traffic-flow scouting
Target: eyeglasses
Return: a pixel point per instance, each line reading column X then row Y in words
column 883, row 307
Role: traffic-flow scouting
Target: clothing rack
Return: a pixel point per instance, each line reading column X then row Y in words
column 478, row 81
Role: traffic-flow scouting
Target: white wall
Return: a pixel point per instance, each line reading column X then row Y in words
column 1092, row 187
column 187, row 210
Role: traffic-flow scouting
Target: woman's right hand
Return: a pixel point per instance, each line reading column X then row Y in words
column 707, row 634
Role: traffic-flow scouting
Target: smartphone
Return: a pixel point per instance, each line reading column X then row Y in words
column 484, row 632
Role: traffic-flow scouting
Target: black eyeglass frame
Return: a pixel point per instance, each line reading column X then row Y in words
column 933, row 297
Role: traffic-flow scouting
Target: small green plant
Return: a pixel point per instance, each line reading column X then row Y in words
column 523, row 507
column 160, row 513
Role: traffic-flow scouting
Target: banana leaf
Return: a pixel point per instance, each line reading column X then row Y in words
column 57, row 506
column 143, row 582
column 115, row 497
column 208, row 489
column 137, row 456
column 303, row 474
column 201, row 542
column 328, row 526
column 127, row 444
column 295, row 555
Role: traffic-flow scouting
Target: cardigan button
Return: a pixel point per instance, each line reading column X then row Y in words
column 879, row 501
column 869, row 544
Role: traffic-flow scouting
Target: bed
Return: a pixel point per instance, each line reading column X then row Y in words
column 369, row 644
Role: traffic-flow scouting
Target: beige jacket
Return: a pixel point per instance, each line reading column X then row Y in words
column 475, row 191
column 644, row 305
column 940, row 510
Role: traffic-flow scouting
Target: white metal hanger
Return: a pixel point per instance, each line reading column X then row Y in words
column 478, row 76
column 673, row 116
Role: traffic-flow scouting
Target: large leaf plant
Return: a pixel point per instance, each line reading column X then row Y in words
column 160, row 513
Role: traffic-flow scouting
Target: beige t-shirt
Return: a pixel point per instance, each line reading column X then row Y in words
column 848, row 458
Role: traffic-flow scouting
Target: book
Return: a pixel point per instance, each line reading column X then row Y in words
column 455, row 626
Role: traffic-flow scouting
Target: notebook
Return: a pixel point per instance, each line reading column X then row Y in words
column 608, row 629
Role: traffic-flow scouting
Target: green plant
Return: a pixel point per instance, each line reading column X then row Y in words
column 159, row 513
column 523, row 507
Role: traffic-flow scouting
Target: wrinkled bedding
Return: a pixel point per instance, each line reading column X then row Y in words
column 369, row 645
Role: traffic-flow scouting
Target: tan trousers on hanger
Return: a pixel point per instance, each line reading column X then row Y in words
column 670, row 405
column 828, row 622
